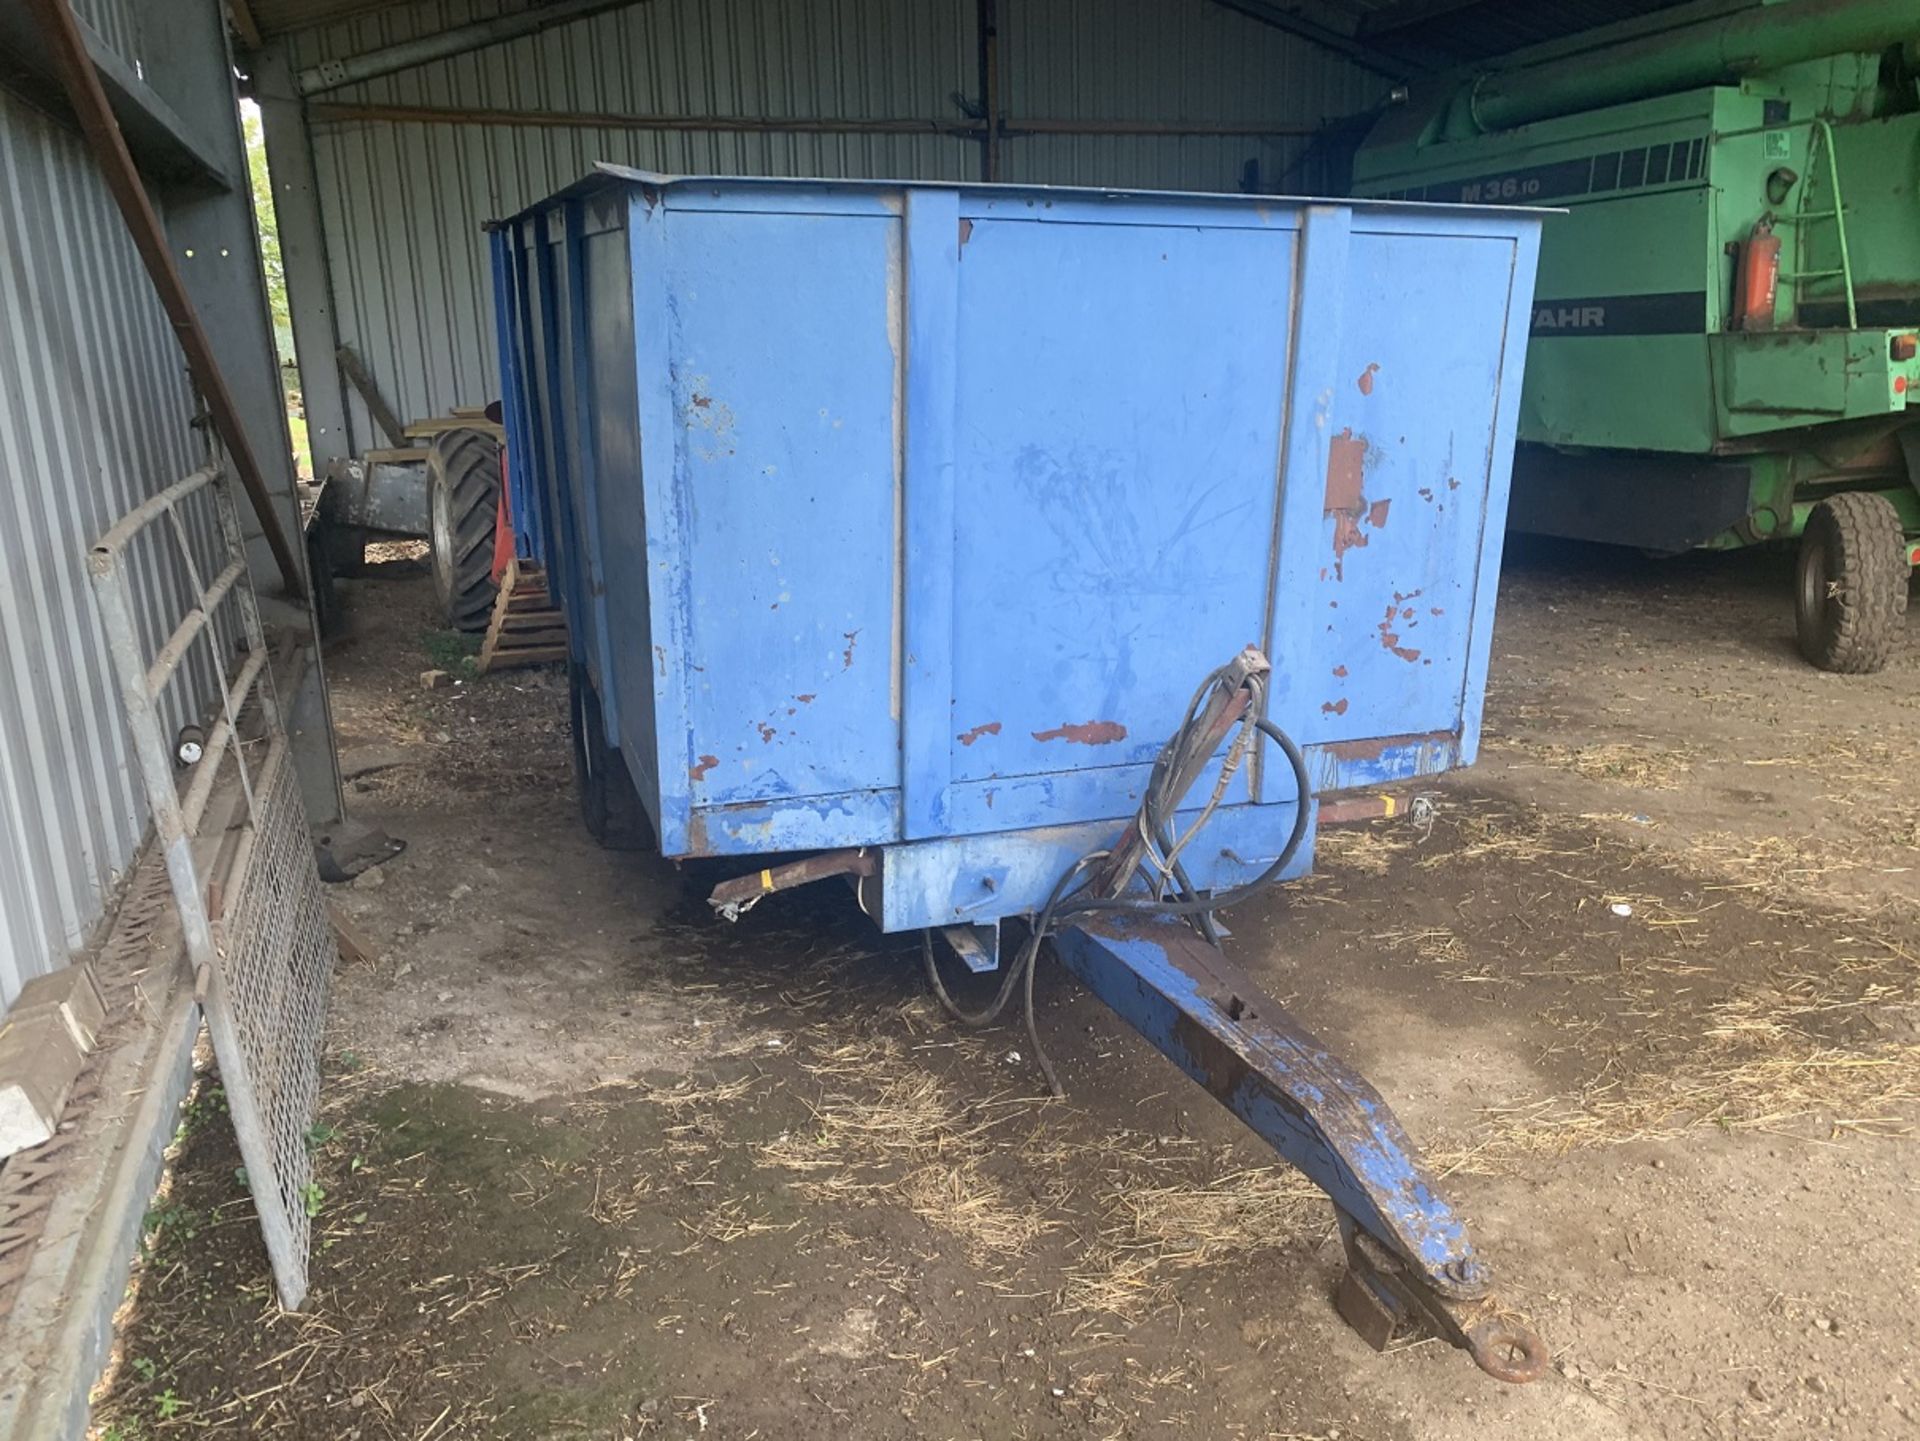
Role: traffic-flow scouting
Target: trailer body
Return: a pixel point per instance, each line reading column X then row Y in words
column 903, row 517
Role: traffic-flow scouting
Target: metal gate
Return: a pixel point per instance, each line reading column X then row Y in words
column 213, row 753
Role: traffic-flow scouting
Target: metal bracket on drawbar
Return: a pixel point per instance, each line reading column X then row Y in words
column 1410, row 1261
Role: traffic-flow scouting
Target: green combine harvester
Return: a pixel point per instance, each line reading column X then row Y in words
column 1727, row 333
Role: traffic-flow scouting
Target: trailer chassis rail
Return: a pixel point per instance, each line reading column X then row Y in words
column 1410, row 1264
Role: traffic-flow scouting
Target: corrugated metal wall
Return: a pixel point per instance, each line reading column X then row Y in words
column 403, row 204
column 94, row 411
column 117, row 22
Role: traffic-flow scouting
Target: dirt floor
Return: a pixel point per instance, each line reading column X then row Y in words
column 597, row 1165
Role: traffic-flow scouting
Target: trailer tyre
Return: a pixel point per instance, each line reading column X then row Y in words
column 609, row 805
column 1852, row 583
column 463, row 499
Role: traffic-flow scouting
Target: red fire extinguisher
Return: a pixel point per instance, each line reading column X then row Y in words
column 1758, row 279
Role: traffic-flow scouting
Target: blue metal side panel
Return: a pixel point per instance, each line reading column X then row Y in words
column 1410, row 422
column 1318, row 318
column 1526, row 259
column 932, row 225
column 663, row 566
column 560, row 426
column 1118, row 420
column 917, row 511
column 786, row 372
column 521, row 502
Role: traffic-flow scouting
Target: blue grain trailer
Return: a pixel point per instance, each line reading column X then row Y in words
column 894, row 524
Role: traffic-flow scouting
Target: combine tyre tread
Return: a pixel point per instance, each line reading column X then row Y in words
column 1852, row 583
column 463, row 496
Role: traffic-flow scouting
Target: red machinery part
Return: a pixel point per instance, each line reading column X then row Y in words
column 1758, row 281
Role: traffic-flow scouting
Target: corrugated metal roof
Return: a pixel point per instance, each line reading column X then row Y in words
column 94, row 410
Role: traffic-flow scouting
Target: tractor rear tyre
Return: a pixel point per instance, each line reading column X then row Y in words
column 1852, row 584
column 609, row 805
column 463, row 500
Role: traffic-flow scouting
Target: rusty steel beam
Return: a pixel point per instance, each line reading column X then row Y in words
column 89, row 100
column 332, row 111
column 732, row 898
column 324, row 111
column 1153, row 128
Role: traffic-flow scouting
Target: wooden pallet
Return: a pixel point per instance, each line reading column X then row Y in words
column 527, row 628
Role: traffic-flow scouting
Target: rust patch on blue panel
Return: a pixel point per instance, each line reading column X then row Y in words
column 852, row 638
column 1366, row 378
column 1085, row 733
column 966, row 231
column 1334, row 707
column 806, row 699
column 767, row 732
column 1377, row 514
column 968, row 737
column 1371, row 748
column 1390, row 623
column 1346, row 473
column 1346, row 499
column 707, row 763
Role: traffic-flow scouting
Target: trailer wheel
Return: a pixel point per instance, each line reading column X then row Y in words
column 609, row 805
column 1852, row 584
column 463, row 497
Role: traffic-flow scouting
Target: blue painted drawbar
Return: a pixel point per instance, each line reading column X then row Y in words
column 895, row 522
column 905, row 516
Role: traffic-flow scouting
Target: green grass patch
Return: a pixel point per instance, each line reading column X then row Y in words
column 450, row 651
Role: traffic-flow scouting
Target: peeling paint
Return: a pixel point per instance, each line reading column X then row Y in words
column 707, row 763
column 852, row 638
column 1346, row 536
column 1334, row 707
column 1340, row 671
column 1085, row 733
column 1377, row 514
column 1345, row 497
column 767, row 732
column 806, row 699
column 968, row 737
column 1346, row 472
column 1366, row 378
column 966, row 231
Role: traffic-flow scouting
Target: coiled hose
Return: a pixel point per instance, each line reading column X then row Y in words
column 1155, row 818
